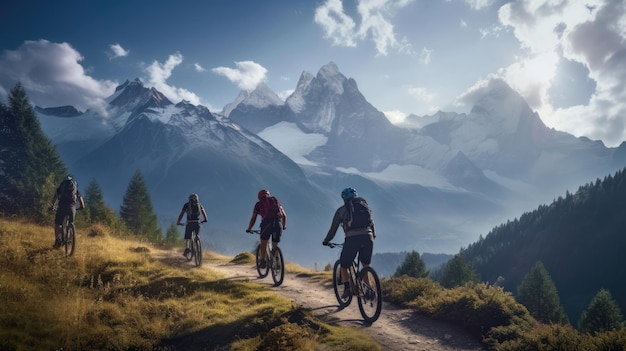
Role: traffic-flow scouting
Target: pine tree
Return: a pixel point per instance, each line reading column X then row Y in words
column 30, row 168
column 603, row 314
column 457, row 272
column 413, row 266
column 172, row 236
column 137, row 212
column 538, row 293
column 96, row 209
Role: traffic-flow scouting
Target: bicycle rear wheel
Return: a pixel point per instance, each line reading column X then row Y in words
column 278, row 266
column 196, row 247
column 370, row 296
column 69, row 239
column 262, row 271
column 338, row 286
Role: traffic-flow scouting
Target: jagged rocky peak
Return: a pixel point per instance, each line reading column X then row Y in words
column 61, row 111
column 331, row 77
column 133, row 94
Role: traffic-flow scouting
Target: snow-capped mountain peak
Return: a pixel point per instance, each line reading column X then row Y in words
column 260, row 97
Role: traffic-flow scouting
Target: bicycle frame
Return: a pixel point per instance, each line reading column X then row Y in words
column 275, row 262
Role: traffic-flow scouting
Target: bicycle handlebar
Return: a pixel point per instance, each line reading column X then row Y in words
column 184, row 224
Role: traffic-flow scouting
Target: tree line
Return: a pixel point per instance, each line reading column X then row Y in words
column 31, row 169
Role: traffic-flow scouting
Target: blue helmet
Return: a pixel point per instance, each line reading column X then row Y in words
column 348, row 193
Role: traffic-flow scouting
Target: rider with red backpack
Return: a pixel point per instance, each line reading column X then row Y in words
column 273, row 221
column 68, row 195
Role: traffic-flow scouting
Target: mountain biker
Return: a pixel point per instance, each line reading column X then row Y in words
column 272, row 224
column 67, row 194
column 359, row 238
column 193, row 208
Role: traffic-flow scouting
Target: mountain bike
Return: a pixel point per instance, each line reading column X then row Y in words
column 275, row 263
column 364, row 283
column 195, row 252
column 68, row 233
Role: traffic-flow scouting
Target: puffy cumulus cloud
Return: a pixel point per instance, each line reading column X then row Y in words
column 395, row 116
column 591, row 34
column 116, row 50
column 158, row 73
column 247, row 75
column 52, row 75
column 375, row 22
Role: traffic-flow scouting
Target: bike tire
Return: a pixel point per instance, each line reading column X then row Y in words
column 370, row 305
column 189, row 256
column 263, row 272
column 70, row 240
column 278, row 267
column 197, row 250
column 338, row 286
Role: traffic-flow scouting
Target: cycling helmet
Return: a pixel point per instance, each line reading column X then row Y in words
column 193, row 196
column 69, row 177
column 348, row 193
column 263, row 193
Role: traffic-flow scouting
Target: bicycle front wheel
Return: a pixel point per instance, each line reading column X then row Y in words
column 196, row 247
column 262, row 271
column 278, row 266
column 70, row 240
column 338, row 286
column 370, row 296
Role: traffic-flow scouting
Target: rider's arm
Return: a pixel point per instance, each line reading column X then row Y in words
column 334, row 226
column 252, row 221
column 284, row 217
column 81, row 201
column 206, row 219
column 180, row 216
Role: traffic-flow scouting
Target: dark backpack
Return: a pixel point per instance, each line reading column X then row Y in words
column 193, row 210
column 359, row 214
column 269, row 207
column 68, row 192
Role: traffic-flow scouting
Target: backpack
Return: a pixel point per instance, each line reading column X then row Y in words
column 68, row 192
column 269, row 207
column 359, row 214
column 193, row 210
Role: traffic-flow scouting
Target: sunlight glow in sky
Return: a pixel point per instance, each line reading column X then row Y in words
column 567, row 58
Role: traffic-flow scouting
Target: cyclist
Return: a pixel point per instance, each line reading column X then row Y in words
column 193, row 208
column 358, row 226
column 67, row 194
column 273, row 221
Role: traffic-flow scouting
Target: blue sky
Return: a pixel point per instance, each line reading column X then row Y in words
column 567, row 58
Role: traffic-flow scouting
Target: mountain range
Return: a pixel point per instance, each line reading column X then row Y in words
column 435, row 183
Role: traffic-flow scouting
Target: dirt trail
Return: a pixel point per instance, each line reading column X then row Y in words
column 396, row 329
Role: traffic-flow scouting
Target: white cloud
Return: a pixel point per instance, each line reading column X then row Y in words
column 375, row 22
column 395, row 116
column 421, row 94
column 590, row 33
column 199, row 67
column 117, row 51
column 52, row 75
column 158, row 73
column 425, row 56
column 247, row 75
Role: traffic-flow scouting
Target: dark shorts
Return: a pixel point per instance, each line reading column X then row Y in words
column 271, row 227
column 361, row 244
column 190, row 227
column 63, row 211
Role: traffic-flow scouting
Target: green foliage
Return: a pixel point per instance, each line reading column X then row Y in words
column 566, row 236
column 30, row 163
column 137, row 211
column 538, row 293
column 457, row 272
column 413, row 266
column 172, row 236
column 603, row 314
column 97, row 211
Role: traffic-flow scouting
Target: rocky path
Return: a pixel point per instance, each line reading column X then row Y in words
column 397, row 328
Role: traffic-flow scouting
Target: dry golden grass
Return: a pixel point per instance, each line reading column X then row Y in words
column 121, row 294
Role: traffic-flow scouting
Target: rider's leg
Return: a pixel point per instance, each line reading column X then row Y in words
column 264, row 249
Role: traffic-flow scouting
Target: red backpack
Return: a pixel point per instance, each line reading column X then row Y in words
column 269, row 207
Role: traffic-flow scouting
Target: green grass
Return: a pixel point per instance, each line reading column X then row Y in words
column 122, row 294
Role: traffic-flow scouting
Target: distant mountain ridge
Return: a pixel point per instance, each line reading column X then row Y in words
column 433, row 188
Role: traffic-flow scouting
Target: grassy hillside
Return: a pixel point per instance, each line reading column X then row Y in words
column 120, row 294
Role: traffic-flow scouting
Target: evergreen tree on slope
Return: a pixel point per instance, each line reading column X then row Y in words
column 137, row 212
column 30, row 168
column 538, row 293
